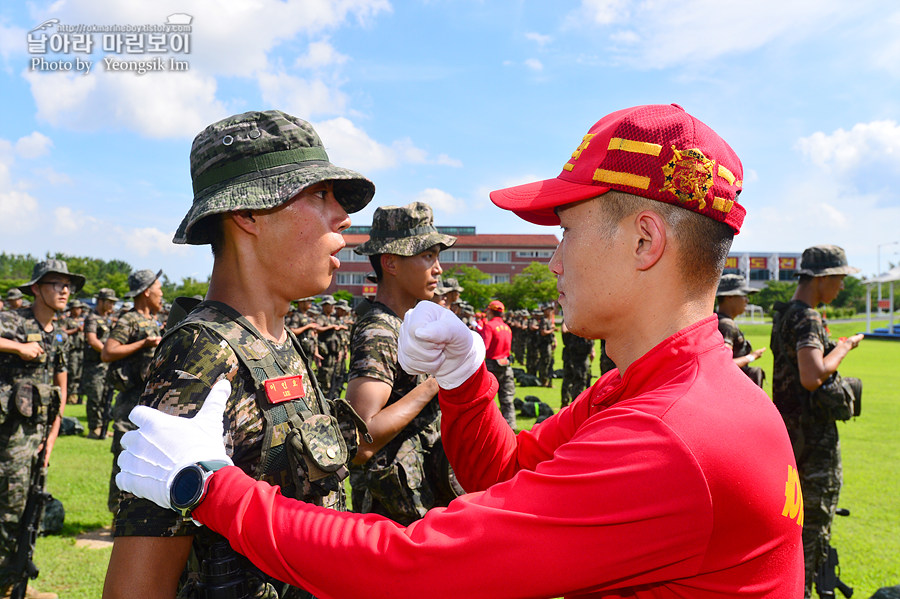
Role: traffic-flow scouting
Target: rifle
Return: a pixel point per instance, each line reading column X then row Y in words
column 828, row 577
column 30, row 524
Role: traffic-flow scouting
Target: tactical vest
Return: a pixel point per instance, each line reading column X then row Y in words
column 131, row 372
column 302, row 434
column 26, row 386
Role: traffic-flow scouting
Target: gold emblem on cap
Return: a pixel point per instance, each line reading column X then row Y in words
column 688, row 176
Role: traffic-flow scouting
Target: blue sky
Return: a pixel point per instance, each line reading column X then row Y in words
column 443, row 101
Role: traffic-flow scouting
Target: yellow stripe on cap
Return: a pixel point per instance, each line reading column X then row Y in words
column 626, row 179
column 638, row 147
column 726, row 174
column 721, row 204
column 568, row 166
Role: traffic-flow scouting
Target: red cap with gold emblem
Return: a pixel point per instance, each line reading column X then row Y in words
column 658, row 152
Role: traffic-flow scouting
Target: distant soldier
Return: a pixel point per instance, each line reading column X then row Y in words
column 577, row 355
column 13, row 299
column 33, row 383
column 303, row 326
column 97, row 326
column 130, row 348
column 74, row 327
column 452, row 289
column 532, row 351
column 329, row 345
column 345, row 318
column 497, row 337
column 402, row 471
column 546, row 345
column 811, row 395
column 439, row 294
column 731, row 297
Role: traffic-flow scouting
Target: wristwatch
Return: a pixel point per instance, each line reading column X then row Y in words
column 190, row 484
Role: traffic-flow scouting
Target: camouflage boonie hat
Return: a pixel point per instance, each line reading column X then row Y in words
column 13, row 294
column 342, row 304
column 328, row 299
column 257, row 161
column 52, row 266
column 824, row 260
column 77, row 304
column 404, row 231
column 733, row 285
column 451, row 284
column 139, row 281
column 107, row 294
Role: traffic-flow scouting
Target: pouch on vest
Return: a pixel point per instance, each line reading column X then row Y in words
column 32, row 398
column 838, row 398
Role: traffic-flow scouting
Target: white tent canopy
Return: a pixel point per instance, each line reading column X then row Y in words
column 890, row 277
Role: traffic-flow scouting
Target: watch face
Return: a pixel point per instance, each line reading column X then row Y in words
column 186, row 487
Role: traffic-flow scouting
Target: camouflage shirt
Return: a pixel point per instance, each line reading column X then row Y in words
column 796, row 326
column 733, row 336
column 373, row 353
column 189, row 361
column 134, row 326
column 101, row 327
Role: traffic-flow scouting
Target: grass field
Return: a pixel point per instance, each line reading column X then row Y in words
column 868, row 541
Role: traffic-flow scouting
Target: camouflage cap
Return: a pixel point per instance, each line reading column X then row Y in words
column 13, row 294
column 342, row 304
column 733, row 285
column 77, row 304
column 257, row 161
column 451, row 284
column 328, row 299
column 107, row 294
column 52, row 266
column 139, row 281
column 824, row 260
column 404, row 231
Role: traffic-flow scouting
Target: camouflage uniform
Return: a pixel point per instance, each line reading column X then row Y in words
column 93, row 377
column 739, row 345
column 27, row 399
column 532, row 349
column 307, row 338
column 256, row 428
column 401, row 481
column 329, row 348
column 576, row 355
column 128, row 377
column 546, row 343
column 815, row 439
column 76, row 350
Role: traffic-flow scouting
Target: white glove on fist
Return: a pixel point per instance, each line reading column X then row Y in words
column 434, row 341
column 164, row 444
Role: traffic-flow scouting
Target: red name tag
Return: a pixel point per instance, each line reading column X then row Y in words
column 285, row 388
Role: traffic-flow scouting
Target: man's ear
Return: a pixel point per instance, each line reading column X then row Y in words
column 245, row 221
column 651, row 240
column 388, row 264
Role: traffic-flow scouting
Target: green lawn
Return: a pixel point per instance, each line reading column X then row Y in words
column 868, row 541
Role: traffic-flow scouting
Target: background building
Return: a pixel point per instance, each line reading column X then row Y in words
column 758, row 268
column 500, row 256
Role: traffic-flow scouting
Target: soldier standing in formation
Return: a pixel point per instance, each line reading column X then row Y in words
column 274, row 233
column 97, row 326
column 546, row 345
column 33, row 384
column 811, row 395
column 74, row 327
column 304, row 327
column 329, row 345
column 130, row 348
column 342, row 314
column 731, row 297
column 13, row 299
column 399, row 474
column 497, row 337
column 577, row 355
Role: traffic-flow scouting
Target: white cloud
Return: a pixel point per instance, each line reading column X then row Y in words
column 441, row 200
column 52, row 176
column 320, row 54
column 18, row 212
column 661, row 33
column 34, row 145
column 863, row 145
column 67, row 221
column 534, row 64
column 540, row 39
column 148, row 241
column 12, row 42
column 305, row 98
column 349, row 146
column 157, row 105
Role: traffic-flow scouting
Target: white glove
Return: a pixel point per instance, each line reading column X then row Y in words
column 164, row 444
column 434, row 341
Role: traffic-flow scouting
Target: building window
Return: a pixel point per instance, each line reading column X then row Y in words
column 759, row 275
column 485, row 256
column 786, row 275
column 731, row 271
column 463, row 256
column 348, row 255
column 500, row 279
column 351, row 278
column 534, row 254
column 501, row 256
